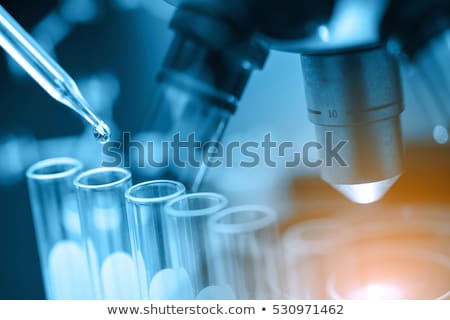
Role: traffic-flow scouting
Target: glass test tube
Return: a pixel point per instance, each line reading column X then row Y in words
column 146, row 220
column 56, row 221
column 245, row 242
column 102, row 205
column 189, row 246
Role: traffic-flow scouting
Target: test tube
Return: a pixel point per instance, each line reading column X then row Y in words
column 102, row 205
column 189, row 248
column 145, row 202
column 245, row 244
column 63, row 259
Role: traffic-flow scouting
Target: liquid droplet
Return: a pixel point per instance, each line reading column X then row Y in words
column 102, row 133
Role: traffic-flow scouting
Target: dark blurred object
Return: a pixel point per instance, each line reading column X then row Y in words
column 415, row 22
column 282, row 19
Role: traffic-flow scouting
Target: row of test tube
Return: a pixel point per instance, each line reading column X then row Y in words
column 100, row 237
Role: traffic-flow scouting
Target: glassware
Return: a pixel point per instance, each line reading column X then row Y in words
column 398, row 252
column 384, row 273
column 102, row 205
column 63, row 259
column 146, row 220
column 245, row 244
column 189, row 247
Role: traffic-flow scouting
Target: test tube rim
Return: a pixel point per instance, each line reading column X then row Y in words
column 222, row 203
column 181, row 189
column 110, row 185
column 233, row 228
column 76, row 167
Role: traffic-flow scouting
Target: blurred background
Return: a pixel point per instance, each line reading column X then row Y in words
column 113, row 49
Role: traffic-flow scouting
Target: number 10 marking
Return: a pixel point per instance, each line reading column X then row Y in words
column 332, row 113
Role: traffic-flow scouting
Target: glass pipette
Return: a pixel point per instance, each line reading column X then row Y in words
column 46, row 71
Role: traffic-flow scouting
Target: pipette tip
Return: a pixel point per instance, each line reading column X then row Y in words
column 102, row 132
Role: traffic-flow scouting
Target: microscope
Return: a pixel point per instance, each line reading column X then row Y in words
column 349, row 52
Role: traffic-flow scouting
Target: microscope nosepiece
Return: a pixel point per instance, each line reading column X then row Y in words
column 354, row 98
